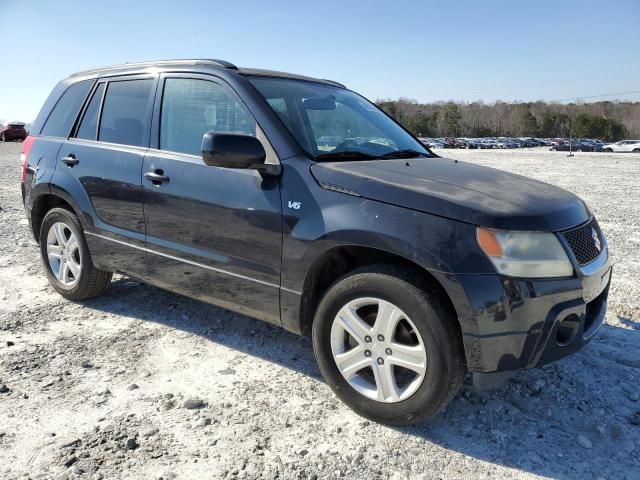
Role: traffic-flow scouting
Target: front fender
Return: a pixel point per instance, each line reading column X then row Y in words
column 326, row 220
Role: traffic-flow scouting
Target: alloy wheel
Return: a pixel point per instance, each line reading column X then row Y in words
column 378, row 350
column 63, row 253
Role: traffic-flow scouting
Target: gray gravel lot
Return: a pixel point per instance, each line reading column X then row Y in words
column 141, row 383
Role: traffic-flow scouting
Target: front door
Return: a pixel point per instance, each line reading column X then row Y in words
column 212, row 233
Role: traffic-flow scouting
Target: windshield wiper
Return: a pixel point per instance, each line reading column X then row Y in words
column 406, row 153
column 346, row 155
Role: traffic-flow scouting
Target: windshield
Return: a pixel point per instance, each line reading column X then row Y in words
column 331, row 122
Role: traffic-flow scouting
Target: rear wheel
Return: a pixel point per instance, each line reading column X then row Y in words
column 636, row 150
column 387, row 347
column 66, row 257
column 2, row 138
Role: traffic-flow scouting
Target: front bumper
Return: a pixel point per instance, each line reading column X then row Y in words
column 513, row 324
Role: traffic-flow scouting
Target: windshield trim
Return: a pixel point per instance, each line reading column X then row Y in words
column 428, row 153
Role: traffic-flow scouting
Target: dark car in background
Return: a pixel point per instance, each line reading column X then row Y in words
column 12, row 132
column 575, row 146
column 296, row 201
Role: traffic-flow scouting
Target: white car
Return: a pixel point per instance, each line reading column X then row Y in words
column 623, row 146
column 431, row 143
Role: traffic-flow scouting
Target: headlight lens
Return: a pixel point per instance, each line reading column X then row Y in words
column 525, row 254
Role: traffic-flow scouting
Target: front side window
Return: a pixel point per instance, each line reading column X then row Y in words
column 331, row 122
column 66, row 110
column 192, row 107
column 89, row 125
column 125, row 112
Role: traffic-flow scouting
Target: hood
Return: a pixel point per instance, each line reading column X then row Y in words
column 462, row 191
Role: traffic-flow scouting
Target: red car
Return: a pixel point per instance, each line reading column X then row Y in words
column 13, row 131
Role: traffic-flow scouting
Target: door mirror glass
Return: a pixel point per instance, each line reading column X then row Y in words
column 235, row 150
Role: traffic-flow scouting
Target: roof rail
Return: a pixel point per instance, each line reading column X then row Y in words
column 158, row 63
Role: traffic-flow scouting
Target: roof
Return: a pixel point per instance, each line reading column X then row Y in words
column 206, row 62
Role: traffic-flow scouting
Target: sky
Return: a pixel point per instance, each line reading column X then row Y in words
column 562, row 50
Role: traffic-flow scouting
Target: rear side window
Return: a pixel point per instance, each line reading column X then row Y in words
column 66, row 110
column 192, row 107
column 125, row 112
column 89, row 125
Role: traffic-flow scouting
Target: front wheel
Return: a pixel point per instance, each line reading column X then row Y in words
column 636, row 150
column 387, row 347
column 66, row 257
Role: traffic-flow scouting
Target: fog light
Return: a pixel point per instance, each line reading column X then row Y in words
column 567, row 330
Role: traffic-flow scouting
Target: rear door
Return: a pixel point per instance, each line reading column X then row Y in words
column 212, row 233
column 101, row 164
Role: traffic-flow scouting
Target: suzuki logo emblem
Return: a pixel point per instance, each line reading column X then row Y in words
column 596, row 239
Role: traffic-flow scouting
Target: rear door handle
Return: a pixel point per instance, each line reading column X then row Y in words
column 70, row 160
column 157, row 177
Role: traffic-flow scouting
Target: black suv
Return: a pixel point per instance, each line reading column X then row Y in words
column 12, row 131
column 297, row 201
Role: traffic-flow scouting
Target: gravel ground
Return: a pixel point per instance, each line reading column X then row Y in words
column 143, row 384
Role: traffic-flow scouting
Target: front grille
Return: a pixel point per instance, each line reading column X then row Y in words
column 586, row 242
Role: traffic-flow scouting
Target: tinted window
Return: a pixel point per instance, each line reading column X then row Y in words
column 280, row 107
column 124, row 113
column 334, row 121
column 191, row 108
column 89, row 123
column 64, row 113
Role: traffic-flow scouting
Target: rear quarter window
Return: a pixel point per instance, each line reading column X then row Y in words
column 66, row 110
column 89, row 125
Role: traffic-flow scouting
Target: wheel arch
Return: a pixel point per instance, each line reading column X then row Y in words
column 336, row 262
column 47, row 201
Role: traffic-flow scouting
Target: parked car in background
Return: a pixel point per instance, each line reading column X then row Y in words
column 489, row 142
column 12, row 132
column 506, row 143
column 596, row 144
column 574, row 146
column 449, row 142
column 623, row 146
column 470, row 143
column 431, row 142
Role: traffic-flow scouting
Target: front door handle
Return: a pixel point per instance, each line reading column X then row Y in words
column 157, row 176
column 70, row 160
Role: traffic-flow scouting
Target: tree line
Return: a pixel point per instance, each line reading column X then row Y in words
column 609, row 121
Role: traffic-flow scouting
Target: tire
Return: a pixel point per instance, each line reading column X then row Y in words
column 579, row 150
column 608, row 150
column 635, row 150
column 2, row 138
column 433, row 334
column 69, row 269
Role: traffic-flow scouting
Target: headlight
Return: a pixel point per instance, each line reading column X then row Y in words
column 525, row 254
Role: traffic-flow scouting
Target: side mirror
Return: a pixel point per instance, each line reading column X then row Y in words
column 236, row 150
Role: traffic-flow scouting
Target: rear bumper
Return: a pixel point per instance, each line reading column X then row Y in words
column 515, row 324
column 14, row 136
